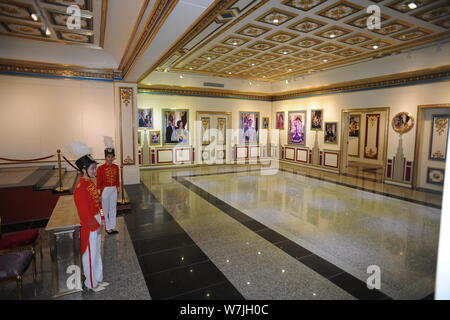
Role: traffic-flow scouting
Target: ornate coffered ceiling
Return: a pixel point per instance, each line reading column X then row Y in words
column 276, row 39
column 16, row 21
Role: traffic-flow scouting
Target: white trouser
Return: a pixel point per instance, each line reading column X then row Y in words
column 92, row 259
column 109, row 204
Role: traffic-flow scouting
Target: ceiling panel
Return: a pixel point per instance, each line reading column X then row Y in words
column 16, row 21
column 276, row 39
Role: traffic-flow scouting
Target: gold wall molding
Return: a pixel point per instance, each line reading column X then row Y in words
column 40, row 69
column 157, row 17
column 201, row 92
column 400, row 79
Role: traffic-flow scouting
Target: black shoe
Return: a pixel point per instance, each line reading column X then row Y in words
column 114, row 231
column 109, row 232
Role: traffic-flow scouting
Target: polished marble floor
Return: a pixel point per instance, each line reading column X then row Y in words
column 233, row 232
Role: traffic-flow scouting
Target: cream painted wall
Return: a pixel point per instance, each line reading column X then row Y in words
column 39, row 116
column 194, row 104
column 398, row 99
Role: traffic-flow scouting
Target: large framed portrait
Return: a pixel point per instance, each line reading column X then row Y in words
column 354, row 125
column 145, row 118
column 155, row 138
column 279, row 120
column 248, row 127
column 317, row 120
column 402, row 122
column 206, row 123
column 297, row 127
column 175, row 124
column 331, row 132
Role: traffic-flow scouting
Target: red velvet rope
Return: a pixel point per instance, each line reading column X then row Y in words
column 6, row 159
column 68, row 161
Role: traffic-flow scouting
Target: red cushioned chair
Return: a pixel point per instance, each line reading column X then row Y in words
column 22, row 240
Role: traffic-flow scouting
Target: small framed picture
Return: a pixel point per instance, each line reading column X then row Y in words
column 353, row 126
column 331, row 133
column 280, row 120
column 155, row 138
column 317, row 120
column 265, row 123
column 145, row 118
column 402, row 122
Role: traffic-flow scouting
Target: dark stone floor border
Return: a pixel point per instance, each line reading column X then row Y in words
column 336, row 275
column 174, row 267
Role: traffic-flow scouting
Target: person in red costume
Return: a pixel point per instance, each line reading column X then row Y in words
column 88, row 206
column 108, row 186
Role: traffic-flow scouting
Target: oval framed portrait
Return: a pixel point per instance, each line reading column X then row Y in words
column 403, row 122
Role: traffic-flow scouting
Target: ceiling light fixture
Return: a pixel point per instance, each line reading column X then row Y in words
column 285, row 52
column 34, row 16
column 253, row 64
column 332, row 35
column 47, row 31
column 275, row 20
column 289, row 70
column 181, row 76
column 412, row 5
column 235, row 43
column 287, row 81
column 375, row 46
column 325, row 60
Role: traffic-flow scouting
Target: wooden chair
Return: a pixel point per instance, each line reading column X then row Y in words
column 14, row 264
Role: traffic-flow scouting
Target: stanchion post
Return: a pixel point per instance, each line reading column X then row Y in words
column 61, row 187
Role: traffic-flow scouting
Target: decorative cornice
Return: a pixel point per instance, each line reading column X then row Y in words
column 201, row 92
column 51, row 70
column 157, row 17
column 400, row 79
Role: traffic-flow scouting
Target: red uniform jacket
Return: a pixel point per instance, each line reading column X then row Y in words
column 107, row 176
column 88, row 205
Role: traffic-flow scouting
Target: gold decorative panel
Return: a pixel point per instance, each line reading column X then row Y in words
column 50, row 22
column 277, row 39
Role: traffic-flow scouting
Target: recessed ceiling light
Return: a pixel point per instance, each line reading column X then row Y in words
column 287, row 81
column 275, row 20
column 285, row 52
column 190, row 68
column 235, row 43
column 229, row 72
column 209, row 58
column 375, row 46
column 34, row 16
column 412, row 5
column 253, row 64
column 181, row 76
column 48, row 32
column 325, row 60
column 332, row 35
column 289, row 69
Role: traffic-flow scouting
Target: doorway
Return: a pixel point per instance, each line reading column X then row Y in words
column 431, row 147
column 364, row 139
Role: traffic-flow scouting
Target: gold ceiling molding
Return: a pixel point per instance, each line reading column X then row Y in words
column 53, row 70
column 133, row 34
column 160, row 12
column 400, row 79
column 218, row 8
column 202, row 92
column 334, row 31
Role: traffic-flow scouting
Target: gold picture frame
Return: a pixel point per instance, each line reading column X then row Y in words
column 151, row 137
column 402, row 122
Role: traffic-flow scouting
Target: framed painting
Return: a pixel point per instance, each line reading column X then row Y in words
column 402, row 122
column 206, row 123
column 435, row 176
column 317, row 120
column 354, row 125
column 265, row 123
column 248, row 127
column 155, row 138
column 331, row 134
column 175, row 126
column 279, row 120
column 145, row 118
column 297, row 127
